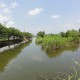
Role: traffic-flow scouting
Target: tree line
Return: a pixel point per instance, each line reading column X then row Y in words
column 69, row 33
column 13, row 33
column 52, row 42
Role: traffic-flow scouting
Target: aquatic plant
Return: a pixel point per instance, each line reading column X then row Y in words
column 53, row 42
column 75, row 75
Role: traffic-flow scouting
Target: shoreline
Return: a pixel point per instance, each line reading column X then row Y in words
column 12, row 42
column 50, row 44
column 6, row 45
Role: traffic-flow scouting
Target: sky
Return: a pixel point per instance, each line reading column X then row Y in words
column 51, row 16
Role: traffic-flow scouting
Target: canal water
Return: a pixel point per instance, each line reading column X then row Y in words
column 29, row 62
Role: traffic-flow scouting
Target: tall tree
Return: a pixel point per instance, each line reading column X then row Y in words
column 41, row 34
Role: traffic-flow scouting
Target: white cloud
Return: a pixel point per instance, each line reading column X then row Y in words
column 70, row 27
column 7, row 10
column 14, row 4
column 78, row 20
column 37, row 58
column 54, row 28
column 10, row 23
column 6, row 17
column 6, row 20
column 35, row 11
column 55, row 16
column 2, row 5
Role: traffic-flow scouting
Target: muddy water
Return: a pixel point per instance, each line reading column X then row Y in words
column 29, row 62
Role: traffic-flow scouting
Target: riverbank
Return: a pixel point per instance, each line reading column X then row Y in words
column 12, row 42
column 50, row 43
column 8, row 53
column 10, row 36
column 24, row 60
column 9, row 46
column 9, row 42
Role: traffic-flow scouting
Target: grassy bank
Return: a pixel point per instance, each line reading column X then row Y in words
column 54, row 42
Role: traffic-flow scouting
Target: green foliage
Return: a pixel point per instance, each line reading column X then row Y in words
column 63, row 34
column 7, row 33
column 72, row 33
column 14, row 32
column 27, row 35
column 39, row 40
column 53, row 42
column 41, row 34
column 79, row 30
column 3, row 31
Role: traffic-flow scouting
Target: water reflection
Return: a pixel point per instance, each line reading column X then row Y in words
column 7, row 56
column 58, row 52
column 37, row 58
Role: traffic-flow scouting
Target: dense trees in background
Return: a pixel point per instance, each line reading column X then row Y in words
column 41, row 34
column 79, row 32
column 71, row 33
column 12, row 33
column 51, row 42
column 63, row 34
column 27, row 35
column 3, row 31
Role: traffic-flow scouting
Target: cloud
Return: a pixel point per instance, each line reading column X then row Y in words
column 35, row 11
column 7, row 20
column 78, row 20
column 55, row 16
column 37, row 58
column 13, row 4
column 2, row 5
column 7, row 10
column 4, row 18
column 10, row 23
column 70, row 26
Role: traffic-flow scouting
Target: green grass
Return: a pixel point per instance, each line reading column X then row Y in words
column 55, row 42
column 50, row 43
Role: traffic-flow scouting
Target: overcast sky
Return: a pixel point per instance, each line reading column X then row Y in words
column 51, row 16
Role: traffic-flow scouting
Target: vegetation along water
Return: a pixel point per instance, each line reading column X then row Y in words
column 52, row 42
column 29, row 61
column 11, row 35
column 39, row 39
column 44, row 57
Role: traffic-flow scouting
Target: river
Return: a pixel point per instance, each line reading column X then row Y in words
column 30, row 62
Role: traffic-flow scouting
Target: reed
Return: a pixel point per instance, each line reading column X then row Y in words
column 50, row 43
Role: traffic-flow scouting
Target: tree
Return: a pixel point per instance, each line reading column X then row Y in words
column 13, row 32
column 72, row 33
column 79, row 30
column 27, row 35
column 3, row 31
column 41, row 34
column 63, row 34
